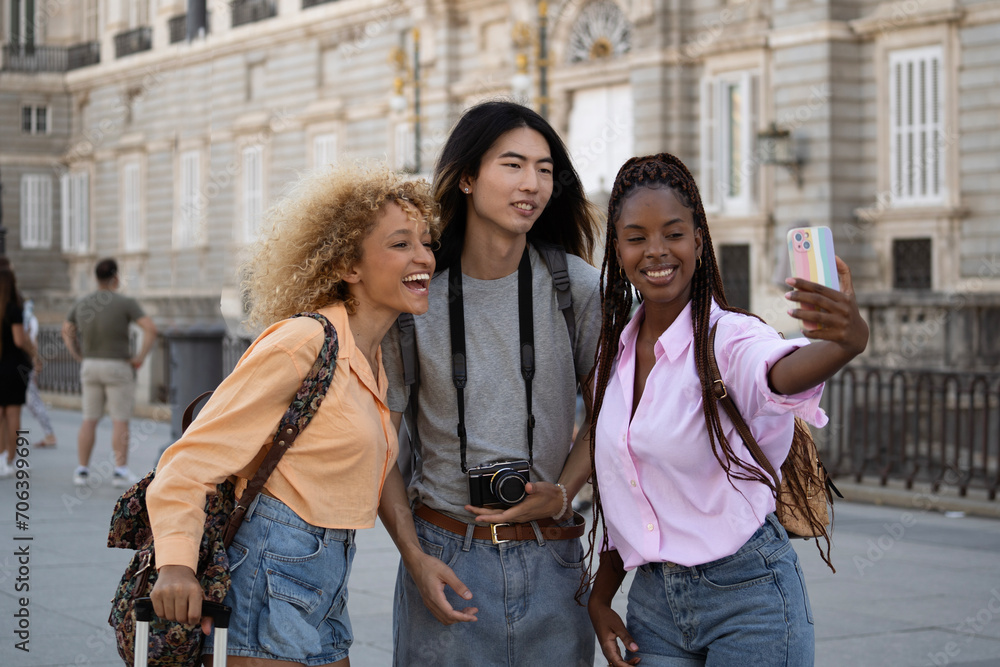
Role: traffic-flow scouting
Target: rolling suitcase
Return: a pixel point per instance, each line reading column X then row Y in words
column 220, row 621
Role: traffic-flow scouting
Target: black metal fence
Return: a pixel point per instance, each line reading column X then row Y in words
column 133, row 41
column 61, row 372
column 251, row 11
column 30, row 58
column 931, row 427
column 83, row 54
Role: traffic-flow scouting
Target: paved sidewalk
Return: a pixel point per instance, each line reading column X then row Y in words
column 914, row 587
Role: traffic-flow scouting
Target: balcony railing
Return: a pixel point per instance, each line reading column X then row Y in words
column 133, row 41
column 82, row 55
column 932, row 427
column 177, row 27
column 30, row 58
column 250, row 11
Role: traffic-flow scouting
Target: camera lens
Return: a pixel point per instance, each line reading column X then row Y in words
column 806, row 245
column 508, row 486
column 798, row 237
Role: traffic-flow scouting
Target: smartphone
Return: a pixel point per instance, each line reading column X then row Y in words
column 811, row 257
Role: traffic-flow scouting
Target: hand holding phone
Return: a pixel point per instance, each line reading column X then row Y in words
column 811, row 257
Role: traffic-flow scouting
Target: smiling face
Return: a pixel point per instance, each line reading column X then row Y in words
column 657, row 246
column 513, row 185
column 394, row 272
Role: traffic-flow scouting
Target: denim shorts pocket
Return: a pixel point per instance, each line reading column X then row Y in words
column 237, row 554
column 289, row 589
column 430, row 548
column 805, row 592
column 740, row 572
column 297, row 546
column 567, row 553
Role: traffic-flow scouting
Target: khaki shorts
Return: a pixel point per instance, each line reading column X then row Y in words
column 107, row 383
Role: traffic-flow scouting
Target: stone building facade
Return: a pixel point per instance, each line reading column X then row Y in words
column 122, row 137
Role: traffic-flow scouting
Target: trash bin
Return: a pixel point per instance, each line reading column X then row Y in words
column 195, row 366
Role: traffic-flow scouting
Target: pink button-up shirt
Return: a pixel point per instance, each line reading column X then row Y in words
column 665, row 496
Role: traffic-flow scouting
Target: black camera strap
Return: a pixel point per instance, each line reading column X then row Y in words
column 459, row 368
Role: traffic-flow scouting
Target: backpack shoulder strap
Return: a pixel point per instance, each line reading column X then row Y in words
column 558, row 266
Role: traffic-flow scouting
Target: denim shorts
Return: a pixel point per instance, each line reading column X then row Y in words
column 750, row 608
column 289, row 588
column 524, row 592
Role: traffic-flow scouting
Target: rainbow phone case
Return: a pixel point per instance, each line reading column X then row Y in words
column 811, row 256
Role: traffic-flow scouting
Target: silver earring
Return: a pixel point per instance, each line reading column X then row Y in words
column 466, row 190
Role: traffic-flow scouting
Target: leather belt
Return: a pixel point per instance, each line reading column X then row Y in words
column 499, row 533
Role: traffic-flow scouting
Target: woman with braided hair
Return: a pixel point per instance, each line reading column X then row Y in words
column 678, row 494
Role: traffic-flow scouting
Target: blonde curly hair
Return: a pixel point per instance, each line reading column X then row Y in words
column 314, row 233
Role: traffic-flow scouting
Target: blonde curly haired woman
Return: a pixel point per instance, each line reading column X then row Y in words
column 354, row 245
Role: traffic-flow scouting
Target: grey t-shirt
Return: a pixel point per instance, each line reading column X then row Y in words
column 495, row 404
column 102, row 318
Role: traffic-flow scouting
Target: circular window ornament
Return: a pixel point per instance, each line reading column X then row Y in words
column 602, row 31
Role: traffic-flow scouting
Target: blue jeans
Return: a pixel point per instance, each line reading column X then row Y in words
column 750, row 608
column 524, row 592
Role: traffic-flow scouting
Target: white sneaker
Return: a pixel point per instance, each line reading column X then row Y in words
column 123, row 479
column 6, row 469
column 81, row 477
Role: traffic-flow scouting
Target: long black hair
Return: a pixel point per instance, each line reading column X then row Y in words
column 569, row 220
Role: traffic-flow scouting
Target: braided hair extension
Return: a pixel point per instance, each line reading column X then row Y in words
column 660, row 171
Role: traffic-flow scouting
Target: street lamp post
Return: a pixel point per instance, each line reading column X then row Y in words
column 398, row 101
column 524, row 38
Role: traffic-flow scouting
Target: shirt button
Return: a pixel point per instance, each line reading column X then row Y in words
column 649, row 526
column 632, row 482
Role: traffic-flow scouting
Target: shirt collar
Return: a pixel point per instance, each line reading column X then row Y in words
column 677, row 338
column 351, row 353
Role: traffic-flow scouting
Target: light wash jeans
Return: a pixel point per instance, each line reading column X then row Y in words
column 750, row 608
column 524, row 592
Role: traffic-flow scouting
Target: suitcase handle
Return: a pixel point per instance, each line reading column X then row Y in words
column 219, row 612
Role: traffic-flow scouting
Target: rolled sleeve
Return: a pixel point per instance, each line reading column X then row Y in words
column 748, row 351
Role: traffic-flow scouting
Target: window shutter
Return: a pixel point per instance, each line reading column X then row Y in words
column 324, row 150
column 752, row 176
column 66, row 206
column 44, row 212
column 252, row 191
column 81, row 202
column 130, row 207
column 915, row 125
column 709, row 164
column 188, row 228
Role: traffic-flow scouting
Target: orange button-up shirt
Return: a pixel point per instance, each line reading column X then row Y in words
column 331, row 477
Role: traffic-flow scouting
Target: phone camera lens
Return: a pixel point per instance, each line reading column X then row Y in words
column 806, row 245
column 798, row 237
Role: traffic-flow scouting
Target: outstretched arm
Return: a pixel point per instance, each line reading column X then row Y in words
column 843, row 336
column 429, row 573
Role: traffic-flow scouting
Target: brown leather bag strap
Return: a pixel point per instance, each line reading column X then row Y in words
column 726, row 401
column 300, row 412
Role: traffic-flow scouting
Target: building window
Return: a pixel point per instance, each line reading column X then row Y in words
column 405, row 157
column 253, row 193
column 34, row 119
column 601, row 134
column 132, row 206
column 916, row 127
column 188, row 230
column 734, row 264
column 36, row 211
column 911, row 264
column 728, row 141
column 324, row 150
column 22, row 23
column 76, row 212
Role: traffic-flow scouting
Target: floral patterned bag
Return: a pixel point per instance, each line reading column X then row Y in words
column 173, row 644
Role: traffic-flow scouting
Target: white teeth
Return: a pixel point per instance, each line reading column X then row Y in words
column 525, row 207
column 417, row 276
column 660, row 274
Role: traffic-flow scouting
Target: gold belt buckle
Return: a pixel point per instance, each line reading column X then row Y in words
column 493, row 533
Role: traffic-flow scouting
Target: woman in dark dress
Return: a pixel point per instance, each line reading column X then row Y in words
column 16, row 354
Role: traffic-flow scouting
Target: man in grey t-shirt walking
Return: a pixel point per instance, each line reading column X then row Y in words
column 107, row 368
